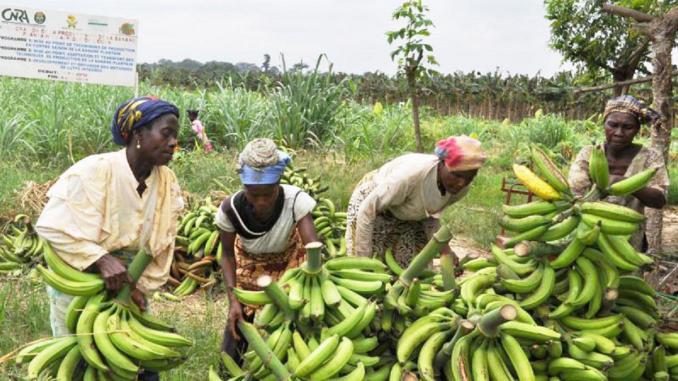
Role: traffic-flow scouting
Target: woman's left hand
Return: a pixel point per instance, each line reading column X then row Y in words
column 139, row 299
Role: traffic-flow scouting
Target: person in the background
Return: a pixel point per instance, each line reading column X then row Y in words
column 199, row 130
column 623, row 117
column 397, row 206
column 106, row 207
column 263, row 228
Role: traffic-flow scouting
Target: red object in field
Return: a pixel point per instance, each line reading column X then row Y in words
column 511, row 187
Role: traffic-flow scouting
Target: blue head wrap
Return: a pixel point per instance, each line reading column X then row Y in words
column 265, row 175
column 136, row 113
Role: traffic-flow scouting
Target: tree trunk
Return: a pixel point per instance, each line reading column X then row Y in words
column 412, row 86
column 662, row 33
column 662, row 93
column 621, row 75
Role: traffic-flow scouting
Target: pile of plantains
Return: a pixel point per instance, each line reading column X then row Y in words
column 559, row 301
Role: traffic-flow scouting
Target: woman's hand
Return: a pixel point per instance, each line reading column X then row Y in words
column 139, row 299
column 113, row 271
column 235, row 314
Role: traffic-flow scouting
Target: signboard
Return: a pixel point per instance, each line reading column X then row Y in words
column 63, row 46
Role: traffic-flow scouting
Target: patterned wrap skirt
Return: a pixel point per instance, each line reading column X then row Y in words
column 405, row 238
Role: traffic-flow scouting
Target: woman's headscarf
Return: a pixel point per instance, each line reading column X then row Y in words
column 136, row 113
column 261, row 163
column 460, row 153
column 629, row 105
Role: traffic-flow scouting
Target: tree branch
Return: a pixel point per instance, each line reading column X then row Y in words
column 637, row 54
column 615, row 84
column 627, row 12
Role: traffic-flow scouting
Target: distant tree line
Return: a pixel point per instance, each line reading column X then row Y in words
column 493, row 95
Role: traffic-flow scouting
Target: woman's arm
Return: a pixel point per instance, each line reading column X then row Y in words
column 307, row 229
column 228, row 266
column 650, row 196
column 72, row 220
column 578, row 178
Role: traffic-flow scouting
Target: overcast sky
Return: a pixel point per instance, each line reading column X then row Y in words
column 468, row 35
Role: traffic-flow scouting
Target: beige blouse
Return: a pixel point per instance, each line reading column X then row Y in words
column 94, row 209
column 407, row 188
column 581, row 183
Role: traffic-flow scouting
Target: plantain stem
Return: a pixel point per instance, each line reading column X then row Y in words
column 135, row 269
column 421, row 260
column 263, row 351
column 447, row 270
column 490, row 322
column 314, row 260
column 276, row 293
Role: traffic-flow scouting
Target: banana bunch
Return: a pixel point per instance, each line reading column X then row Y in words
column 488, row 345
column 198, row 236
column 319, row 320
column 197, row 253
column 320, row 294
column 665, row 359
column 20, row 246
column 331, row 226
column 328, row 356
column 112, row 338
column 299, row 178
column 599, row 173
column 591, row 350
column 417, row 291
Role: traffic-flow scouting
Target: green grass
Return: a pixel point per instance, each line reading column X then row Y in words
column 24, row 312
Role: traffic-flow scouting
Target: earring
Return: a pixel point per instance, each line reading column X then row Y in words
column 138, row 144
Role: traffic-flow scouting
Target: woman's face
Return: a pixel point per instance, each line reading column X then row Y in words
column 455, row 181
column 621, row 129
column 262, row 197
column 158, row 142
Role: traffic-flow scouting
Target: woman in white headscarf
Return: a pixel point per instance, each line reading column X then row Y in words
column 264, row 227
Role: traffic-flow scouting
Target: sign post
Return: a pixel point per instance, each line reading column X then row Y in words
column 63, row 46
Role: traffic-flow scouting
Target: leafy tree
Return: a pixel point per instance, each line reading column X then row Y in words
column 595, row 41
column 413, row 56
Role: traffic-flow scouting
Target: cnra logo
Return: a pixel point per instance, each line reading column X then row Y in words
column 15, row 15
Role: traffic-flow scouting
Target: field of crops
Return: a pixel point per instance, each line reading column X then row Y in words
column 45, row 127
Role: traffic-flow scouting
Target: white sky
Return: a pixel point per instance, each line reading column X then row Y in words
column 469, row 34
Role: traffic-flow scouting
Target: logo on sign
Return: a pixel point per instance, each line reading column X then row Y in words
column 127, row 29
column 72, row 21
column 39, row 17
column 15, row 15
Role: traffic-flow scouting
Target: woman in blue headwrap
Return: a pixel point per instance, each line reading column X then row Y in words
column 263, row 227
column 106, row 207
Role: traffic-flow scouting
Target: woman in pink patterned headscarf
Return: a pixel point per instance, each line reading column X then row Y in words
column 398, row 205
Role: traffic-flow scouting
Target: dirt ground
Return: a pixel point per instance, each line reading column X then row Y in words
column 665, row 276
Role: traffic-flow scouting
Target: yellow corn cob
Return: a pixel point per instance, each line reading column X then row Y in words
column 535, row 184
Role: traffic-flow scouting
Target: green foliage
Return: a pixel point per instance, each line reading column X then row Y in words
column 236, row 116
column 305, row 106
column 361, row 132
column 412, row 55
column 595, row 40
column 673, row 186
